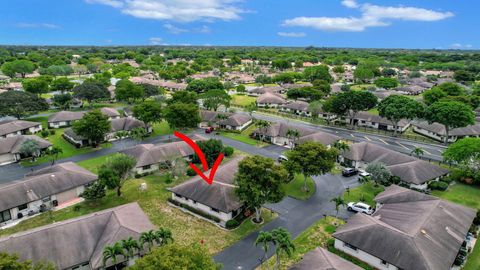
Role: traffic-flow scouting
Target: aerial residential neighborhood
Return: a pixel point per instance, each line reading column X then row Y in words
column 239, row 135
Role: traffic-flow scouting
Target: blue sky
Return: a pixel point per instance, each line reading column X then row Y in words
column 422, row 24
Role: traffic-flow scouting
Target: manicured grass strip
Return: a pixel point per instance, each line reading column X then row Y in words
column 460, row 193
column 295, row 190
column 243, row 100
column 473, row 260
column 363, row 193
column 244, row 136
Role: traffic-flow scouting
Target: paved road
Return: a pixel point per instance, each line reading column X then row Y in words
column 294, row 215
column 432, row 151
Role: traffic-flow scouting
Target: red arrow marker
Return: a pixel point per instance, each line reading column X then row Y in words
column 201, row 155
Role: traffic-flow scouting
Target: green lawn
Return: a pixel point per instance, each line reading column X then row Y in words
column 242, row 100
column 244, row 136
column 315, row 236
column 365, row 192
column 462, row 194
column 373, row 111
column 93, row 164
column 361, row 86
column 186, row 228
column 473, row 260
column 67, row 148
column 295, row 190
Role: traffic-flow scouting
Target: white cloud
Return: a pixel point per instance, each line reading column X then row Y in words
column 350, row 3
column 37, row 25
column 177, row 10
column 156, row 41
column 173, row 29
column 459, row 46
column 292, row 34
column 204, row 30
column 371, row 16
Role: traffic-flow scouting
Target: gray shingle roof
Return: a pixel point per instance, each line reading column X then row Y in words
column 43, row 183
column 65, row 116
column 322, row 259
column 418, row 234
column 378, row 119
column 408, row 168
column 306, row 134
column 11, row 126
column 437, row 128
column 233, row 119
column 125, row 124
column 110, row 112
column 297, row 105
column 149, row 154
column 220, row 194
column 76, row 241
column 14, row 143
column 271, row 98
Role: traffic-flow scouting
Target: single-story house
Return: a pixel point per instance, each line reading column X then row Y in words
column 322, row 259
column 173, row 86
column 409, row 231
column 270, row 100
column 276, row 133
column 43, row 189
column 111, row 113
column 297, row 107
column 410, row 89
column 10, row 147
column 383, row 94
column 18, row 127
column 230, row 121
column 118, row 124
column 78, row 243
column 263, row 90
column 288, row 86
column 412, row 171
column 218, row 199
column 64, row 119
column 149, row 157
column 365, row 119
column 437, row 131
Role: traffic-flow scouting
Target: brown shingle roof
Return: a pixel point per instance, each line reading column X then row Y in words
column 14, row 143
column 322, row 259
column 11, row 126
column 65, row 116
column 110, row 112
column 75, row 241
column 271, row 98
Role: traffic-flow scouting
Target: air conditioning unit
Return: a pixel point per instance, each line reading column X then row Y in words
column 55, row 203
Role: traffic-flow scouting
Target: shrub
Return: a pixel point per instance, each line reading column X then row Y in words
column 228, row 151
column 476, row 220
column 191, row 172
column 44, row 133
column 76, row 208
column 438, row 185
column 52, row 131
column 232, row 224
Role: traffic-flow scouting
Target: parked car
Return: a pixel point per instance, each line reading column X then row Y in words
column 282, row 158
column 349, row 172
column 360, row 207
column 209, row 130
column 363, row 174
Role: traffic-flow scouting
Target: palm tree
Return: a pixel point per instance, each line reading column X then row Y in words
column 129, row 246
column 339, row 201
column 111, row 252
column 148, row 238
column 283, row 244
column 293, row 134
column 263, row 126
column 250, row 108
column 418, row 152
column 264, row 239
column 341, row 146
column 54, row 152
column 163, row 236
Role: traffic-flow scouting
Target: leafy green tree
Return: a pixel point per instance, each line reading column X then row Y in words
column 386, row 82
column 116, row 171
column 462, row 150
column 30, row 148
column 126, row 90
column 212, row 99
column 283, row 244
column 111, row 253
column 203, row 85
column 338, row 201
column 177, row 257
column 150, row 90
column 388, row 72
column 21, row 104
column 94, row 125
column 379, row 173
column 241, row 88
column 351, row 102
column 148, row 112
column 13, row 262
column 211, row 148
column 35, row 86
column 463, row 76
column 63, row 101
column 263, row 79
column 315, row 108
column 451, row 89
column 94, row 191
column 22, row 67
column 433, row 95
column 363, row 74
column 322, row 86
column 318, row 73
column 307, row 93
column 54, row 152
column 62, row 84
column 341, row 146
column 338, row 69
column 182, row 115
column 293, row 135
column 183, row 97
column 91, row 91
column 309, row 159
column 450, row 114
column 396, row 108
column 259, row 180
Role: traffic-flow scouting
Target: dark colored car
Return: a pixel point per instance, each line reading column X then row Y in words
column 209, row 130
column 349, row 172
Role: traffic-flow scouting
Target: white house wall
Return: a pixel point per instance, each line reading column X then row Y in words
column 224, row 217
column 363, row 256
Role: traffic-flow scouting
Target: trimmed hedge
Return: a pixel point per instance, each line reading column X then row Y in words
column 228, row 151
column 438, row 185
column 194, row 210
column 232, row 224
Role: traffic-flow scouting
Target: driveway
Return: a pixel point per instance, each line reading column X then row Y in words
column 294, row 215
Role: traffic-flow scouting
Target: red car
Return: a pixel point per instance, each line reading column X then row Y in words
column 209, row 130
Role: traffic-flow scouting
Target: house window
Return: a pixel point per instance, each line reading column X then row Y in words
column 176, row 195
column 5, row 216
column 349, row 246
column 383, row 262
column 22, row 207
column 46, row 199
column 146, row 167
column 215, row 210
